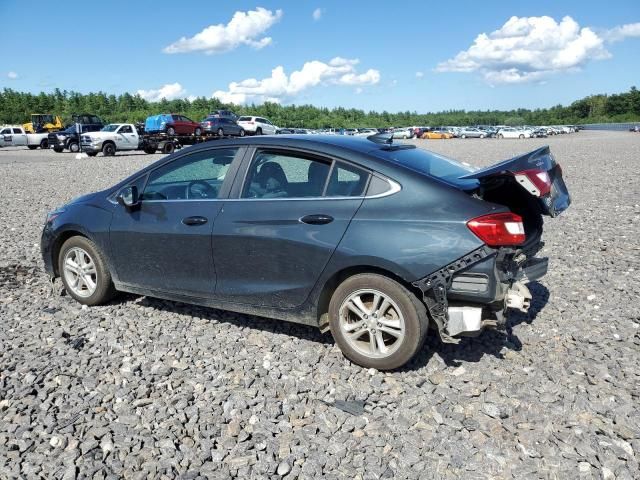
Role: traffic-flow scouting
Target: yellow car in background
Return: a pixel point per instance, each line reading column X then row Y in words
column 435, row 135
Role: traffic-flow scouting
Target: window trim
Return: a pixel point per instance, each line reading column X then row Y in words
column 235, row 194
column 225, row 189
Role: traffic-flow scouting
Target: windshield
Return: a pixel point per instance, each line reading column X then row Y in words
column 432, row 164
column 110, row 128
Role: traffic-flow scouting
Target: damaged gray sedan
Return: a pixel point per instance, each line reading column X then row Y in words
column 371, row 240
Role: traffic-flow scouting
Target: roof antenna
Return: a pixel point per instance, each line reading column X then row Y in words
column 381, row 138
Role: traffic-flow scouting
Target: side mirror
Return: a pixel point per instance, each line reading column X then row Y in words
column 128, row 197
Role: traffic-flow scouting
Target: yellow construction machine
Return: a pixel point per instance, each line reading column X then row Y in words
column 41, row 123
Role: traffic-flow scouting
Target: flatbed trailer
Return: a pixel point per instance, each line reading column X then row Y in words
column 152, row 142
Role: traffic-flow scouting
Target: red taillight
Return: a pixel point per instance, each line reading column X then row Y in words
column 536, row 182
column 498, row 229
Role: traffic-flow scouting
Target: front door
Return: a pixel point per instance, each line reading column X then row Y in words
column 272, row 244
column 165, row 244
column 126, row 138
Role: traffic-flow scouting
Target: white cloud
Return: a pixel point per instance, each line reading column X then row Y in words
column 170, row 91
column 317, row 14
column 12, row 75
column 621, row 32
column 245, row 28
column 280, row 86
column 527, row 49
column 419, row 74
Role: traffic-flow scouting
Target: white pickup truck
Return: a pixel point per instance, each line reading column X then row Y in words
column 112, row 138
column 126, row 137
column 15, row 136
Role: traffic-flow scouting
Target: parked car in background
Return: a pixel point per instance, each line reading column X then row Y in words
column 404, row 133
column 365, row 132
column 436, row 135
column 257, row 125
column 512, row 132
column 222, row 126
column 113, row 137
column 470, row 132
column 68, row 139
column 224, row 114
column 539, row 133
column 17, row 136
column 373, row 241
column 172, row 124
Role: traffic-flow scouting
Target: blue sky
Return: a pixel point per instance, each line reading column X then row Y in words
column 357, row 54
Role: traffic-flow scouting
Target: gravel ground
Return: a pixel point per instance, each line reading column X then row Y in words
column 145, row 388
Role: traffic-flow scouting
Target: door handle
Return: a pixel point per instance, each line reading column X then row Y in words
column 318, row 219
column 194, row 220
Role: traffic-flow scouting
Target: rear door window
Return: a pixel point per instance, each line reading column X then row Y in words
column 278, row 174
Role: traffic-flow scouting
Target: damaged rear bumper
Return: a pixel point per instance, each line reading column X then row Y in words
column 478, row 290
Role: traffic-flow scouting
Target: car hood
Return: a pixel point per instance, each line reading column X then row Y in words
column 85, row 198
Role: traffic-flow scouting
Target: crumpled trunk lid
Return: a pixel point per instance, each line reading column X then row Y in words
column 518, row 168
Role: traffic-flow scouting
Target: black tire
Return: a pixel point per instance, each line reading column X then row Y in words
column 242, row 132
column 105, row 289
column 32, row 147
column 171, row 131
column 74, row 147
column 108, row 149
column 220, row 132
column 413, row 311
column 168, row 148
column 44, row 144
column 58, row 149
column 150, row 150
column 197, row 132
column 92, row 154
column 258, row 131
column 521, row 136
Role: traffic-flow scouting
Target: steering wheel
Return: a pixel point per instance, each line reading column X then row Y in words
column 200, row 189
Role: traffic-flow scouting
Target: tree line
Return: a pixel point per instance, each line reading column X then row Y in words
column 16, row 107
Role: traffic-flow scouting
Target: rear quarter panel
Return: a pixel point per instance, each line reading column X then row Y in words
column 413, row 232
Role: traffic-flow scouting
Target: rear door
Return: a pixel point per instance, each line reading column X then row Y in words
column 273, row 240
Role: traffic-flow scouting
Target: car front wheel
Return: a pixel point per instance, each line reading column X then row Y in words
column 377, row 322
column 84, row 272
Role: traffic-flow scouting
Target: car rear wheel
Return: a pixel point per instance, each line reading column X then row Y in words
column 74, row 147
column 84, row 272
column 500, row 135
column 258, row 131
column 171, row 131
column 377, row 322
column 242, row 132
column 220, row 132
column 463, row 136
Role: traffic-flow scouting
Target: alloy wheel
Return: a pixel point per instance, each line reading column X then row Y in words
column 372, row 323
column 80, row 272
